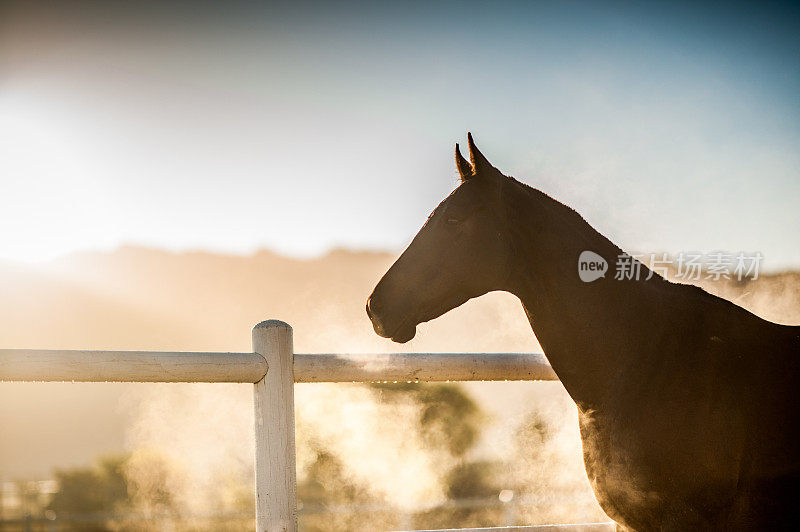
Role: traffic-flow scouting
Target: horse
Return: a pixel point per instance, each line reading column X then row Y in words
column 687, row 402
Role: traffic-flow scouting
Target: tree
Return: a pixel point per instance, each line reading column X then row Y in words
column 91, row 493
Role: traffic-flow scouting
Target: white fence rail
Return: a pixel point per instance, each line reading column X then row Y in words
column 129, row 366
column 273, row 367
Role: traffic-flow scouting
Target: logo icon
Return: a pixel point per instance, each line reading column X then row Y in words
column 591, row 266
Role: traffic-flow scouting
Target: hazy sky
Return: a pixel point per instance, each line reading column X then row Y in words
column 300, row 127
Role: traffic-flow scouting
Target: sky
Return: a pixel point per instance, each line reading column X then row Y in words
column 302, row 127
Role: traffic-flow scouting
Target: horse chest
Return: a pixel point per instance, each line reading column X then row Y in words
column 643, row 472
column 615, row 475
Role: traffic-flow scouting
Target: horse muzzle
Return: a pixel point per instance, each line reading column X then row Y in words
column 401, row 333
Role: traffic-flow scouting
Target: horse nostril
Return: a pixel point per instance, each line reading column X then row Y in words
column 373, row 306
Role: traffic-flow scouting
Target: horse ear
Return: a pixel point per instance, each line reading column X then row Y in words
column 464, row 168
column 479, row 162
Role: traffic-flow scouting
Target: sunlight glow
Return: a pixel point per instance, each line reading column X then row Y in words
column 51, row 203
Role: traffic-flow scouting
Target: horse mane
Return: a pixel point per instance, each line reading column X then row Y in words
column 656, row 285
column 566, row 214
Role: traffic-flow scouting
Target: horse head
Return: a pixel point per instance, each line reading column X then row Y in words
column 461, row 252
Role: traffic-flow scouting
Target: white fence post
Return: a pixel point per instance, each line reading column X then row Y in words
column 276, row 483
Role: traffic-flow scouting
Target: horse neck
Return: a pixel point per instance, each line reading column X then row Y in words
column 588, row 330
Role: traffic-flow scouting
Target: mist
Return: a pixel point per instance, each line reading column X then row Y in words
column 191, row 445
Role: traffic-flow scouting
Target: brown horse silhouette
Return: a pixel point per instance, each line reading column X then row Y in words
column 688, row 403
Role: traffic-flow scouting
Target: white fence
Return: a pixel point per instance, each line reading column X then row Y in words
column 273, row 367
